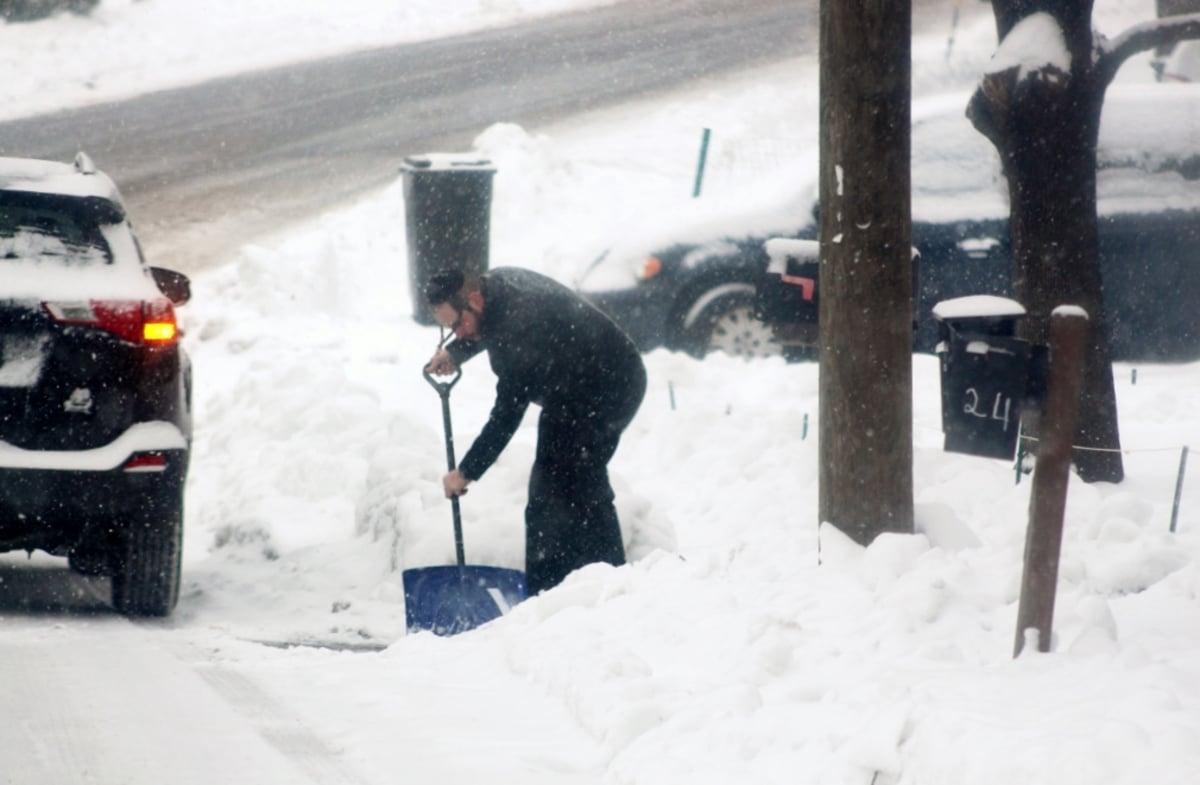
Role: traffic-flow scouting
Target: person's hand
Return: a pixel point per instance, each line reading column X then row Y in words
column 441, row 364
column 454, row 484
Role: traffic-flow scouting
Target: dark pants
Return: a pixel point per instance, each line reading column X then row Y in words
column 570, row 519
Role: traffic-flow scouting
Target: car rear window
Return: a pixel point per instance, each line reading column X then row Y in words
column 52, row 231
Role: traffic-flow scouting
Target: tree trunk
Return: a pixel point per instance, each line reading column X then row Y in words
column 1045, row 127
column 866, row 305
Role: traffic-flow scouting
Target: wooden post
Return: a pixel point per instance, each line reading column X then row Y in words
column 1051, row 474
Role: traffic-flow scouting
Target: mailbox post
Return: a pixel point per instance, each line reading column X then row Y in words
column 986, row 377
column 985, row 374
column 1048, row 499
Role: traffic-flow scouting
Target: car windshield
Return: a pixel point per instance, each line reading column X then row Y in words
column 49, row 231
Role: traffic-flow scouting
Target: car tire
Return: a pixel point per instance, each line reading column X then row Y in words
column 722, row 319
column 147, row 563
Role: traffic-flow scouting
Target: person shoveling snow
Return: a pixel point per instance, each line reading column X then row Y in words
column 547, row 346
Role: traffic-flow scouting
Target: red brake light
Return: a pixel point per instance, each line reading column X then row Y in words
column 151, row 322
column 146, row 462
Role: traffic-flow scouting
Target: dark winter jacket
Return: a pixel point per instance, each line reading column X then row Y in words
column 549, row 346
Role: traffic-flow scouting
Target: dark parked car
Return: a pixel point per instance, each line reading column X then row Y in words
column 95, row 389
column 698, row 293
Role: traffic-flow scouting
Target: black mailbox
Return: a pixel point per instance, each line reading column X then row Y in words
column 786, row 296
column 788, row 292
column 985, row 374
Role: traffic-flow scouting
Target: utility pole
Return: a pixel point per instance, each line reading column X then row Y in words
column 866, row 271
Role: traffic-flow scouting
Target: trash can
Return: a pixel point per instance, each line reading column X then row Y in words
column 984, row 374
column 448, row 202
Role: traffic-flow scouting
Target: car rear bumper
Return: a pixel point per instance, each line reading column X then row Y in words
column 142, row 437
column 50, row 500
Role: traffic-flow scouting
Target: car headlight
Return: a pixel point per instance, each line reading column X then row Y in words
column 651, row 267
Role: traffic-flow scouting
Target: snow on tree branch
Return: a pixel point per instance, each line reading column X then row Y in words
column 1034, row 44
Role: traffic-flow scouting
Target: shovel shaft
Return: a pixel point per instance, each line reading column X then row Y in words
column 451, row 464
column 448, row 429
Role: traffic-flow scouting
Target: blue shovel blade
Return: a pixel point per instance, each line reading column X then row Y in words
column 452, row 599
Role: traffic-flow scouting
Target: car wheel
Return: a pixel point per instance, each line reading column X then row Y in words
column 146, row 568
column 722, row 319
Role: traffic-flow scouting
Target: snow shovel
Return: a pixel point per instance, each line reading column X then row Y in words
column 447, row 600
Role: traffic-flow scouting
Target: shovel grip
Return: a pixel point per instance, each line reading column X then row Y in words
column 443, row 388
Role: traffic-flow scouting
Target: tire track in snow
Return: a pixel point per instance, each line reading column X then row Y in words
column 316, row 757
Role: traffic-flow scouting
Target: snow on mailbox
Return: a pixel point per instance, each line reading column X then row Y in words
column 985, row 372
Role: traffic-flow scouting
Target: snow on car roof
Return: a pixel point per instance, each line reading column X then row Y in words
column 1149, row 156
column 1145, row 166
column 47, row 279
column 1150, row 126
column 53, row 177
column 69, row 277
column 1148, row 163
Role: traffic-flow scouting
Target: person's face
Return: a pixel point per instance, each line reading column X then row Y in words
column 463, row 323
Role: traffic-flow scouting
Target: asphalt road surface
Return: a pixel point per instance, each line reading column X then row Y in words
column 209, row 167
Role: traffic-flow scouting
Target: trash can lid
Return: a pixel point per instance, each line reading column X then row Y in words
column 444, row 161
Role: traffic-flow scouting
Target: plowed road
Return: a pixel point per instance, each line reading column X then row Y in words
column 207, row 167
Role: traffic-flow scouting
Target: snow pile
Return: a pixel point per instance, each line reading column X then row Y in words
column 738, row 643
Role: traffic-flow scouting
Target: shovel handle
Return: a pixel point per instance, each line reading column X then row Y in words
column 443, row 391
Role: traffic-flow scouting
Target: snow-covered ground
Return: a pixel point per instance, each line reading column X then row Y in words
column 724, row 652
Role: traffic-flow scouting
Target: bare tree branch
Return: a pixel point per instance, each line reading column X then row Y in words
column 1139, row 38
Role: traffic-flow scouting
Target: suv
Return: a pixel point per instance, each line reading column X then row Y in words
column 95, row 389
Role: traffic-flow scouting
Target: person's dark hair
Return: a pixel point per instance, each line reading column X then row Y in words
column 444, row 287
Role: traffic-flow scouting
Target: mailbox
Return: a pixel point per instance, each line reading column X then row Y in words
column 788, row 292
column 984, row 372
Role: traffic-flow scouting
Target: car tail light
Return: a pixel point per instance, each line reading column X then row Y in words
column 136, row 321
column 146, row 462
column 159, row 321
